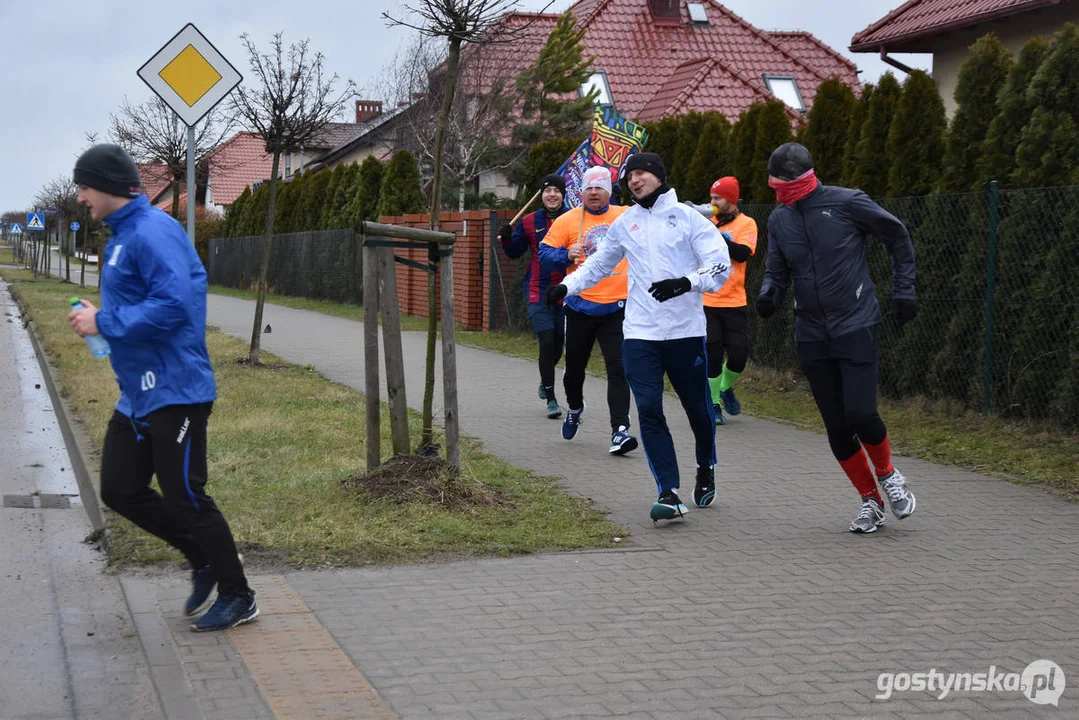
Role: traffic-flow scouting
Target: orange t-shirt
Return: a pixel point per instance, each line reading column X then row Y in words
column 743, row 230
column 564, row 232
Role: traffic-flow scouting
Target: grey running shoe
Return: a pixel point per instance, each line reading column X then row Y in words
column 869, row 518
column 900, row 499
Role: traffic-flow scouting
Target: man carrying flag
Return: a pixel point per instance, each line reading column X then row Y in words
column 547, row 320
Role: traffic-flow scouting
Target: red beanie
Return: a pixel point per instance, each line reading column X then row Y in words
column 727, row 188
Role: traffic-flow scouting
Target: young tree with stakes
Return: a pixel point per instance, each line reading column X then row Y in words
column 457, row 22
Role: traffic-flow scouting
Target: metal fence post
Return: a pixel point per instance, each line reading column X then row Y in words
column 990, row 292
column 492, row 230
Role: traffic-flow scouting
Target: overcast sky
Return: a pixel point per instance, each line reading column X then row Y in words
column 78, row 60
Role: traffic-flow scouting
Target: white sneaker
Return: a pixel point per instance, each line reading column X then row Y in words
column 900, row 499
column 869, row 518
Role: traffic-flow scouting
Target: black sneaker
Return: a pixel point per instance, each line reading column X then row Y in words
column 202, row 584
column 228, row 611
column 622, row 442
column 667, row 507
column 718, row 411
column 705, row 491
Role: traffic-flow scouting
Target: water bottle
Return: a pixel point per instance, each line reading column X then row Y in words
column 99, row 346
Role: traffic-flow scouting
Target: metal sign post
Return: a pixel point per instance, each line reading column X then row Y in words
column 191, row 182
column 71, row 248
column 191, row 76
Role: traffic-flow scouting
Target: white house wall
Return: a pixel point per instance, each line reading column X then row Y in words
column 953, row 49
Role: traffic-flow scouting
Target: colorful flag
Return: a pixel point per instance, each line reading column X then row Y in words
column 612, row 141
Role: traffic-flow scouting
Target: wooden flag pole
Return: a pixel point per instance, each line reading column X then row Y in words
column 523, row 210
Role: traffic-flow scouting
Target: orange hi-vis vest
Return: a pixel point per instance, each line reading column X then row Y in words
column 743, row 230
column 563, row 233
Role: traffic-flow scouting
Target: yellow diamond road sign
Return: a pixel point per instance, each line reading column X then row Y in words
column 190, row 75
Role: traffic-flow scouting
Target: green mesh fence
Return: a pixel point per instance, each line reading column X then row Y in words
column 998, row 322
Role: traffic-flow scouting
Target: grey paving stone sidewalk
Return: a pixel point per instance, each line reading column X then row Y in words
column 762, row 606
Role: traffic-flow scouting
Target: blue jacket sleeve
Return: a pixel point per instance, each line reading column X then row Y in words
column 167, row 298
column 777, row 273
column 518, row 243
column 872, row 218
column 552, row 258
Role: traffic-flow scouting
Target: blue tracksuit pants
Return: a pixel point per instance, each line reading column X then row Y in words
column 685, row 362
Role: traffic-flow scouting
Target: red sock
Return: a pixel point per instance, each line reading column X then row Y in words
column 881, row 455
column 861, row 476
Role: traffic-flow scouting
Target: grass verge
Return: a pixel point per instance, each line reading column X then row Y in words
column 1024, row 453
column 282, row 441
column 7, row 255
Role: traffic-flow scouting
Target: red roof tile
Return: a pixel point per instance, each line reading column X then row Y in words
column 155, row 179
column 908, row 27
column 657, row 70
column 702, row 85
column 811, row 50
column 240, row 161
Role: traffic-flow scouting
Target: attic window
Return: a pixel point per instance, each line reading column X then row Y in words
column 597, row 81
column 665, row 12
column 697, row 13
column 785, row 88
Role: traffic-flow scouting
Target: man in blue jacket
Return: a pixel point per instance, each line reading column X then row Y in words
column 153, row 296
column 548, row 321
column 817, row 237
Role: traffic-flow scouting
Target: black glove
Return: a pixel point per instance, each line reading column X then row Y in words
column 904, row 310
column 505, row 233
column 556, row 293
column 664, row 290
column 766, row 303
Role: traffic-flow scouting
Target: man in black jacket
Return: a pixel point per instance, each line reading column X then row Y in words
column 817, row 237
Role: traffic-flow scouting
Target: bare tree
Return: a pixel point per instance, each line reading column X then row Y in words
column 478, row 132
column 292, row 102
column 457, row 22
column 152, row 133
column 59, row 195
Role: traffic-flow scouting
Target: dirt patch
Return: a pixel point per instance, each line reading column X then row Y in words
column 415, row 478
column 260, row 365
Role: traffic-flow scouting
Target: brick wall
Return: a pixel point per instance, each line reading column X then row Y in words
column 471, row 266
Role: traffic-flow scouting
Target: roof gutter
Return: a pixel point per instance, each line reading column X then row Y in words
column 959, row 24
column 893, row 62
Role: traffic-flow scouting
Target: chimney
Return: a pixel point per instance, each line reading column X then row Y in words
column 367, row 109
column 665, row 12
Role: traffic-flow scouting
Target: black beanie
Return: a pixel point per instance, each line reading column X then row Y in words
column 110, row 169
column 554, row 180
column 647, row 161
column 789, row 161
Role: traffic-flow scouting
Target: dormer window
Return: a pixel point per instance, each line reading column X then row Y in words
column 665, row 12
column 785, row 88
column 597, row 81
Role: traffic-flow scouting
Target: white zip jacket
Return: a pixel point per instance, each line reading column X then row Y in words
column 668, row 240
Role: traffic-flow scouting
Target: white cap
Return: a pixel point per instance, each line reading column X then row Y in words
column 596, row 177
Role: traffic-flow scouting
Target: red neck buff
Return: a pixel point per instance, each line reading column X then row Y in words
column 791, row 192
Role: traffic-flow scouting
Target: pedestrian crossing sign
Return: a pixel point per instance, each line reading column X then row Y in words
column 16, row 229
column 35, row 221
